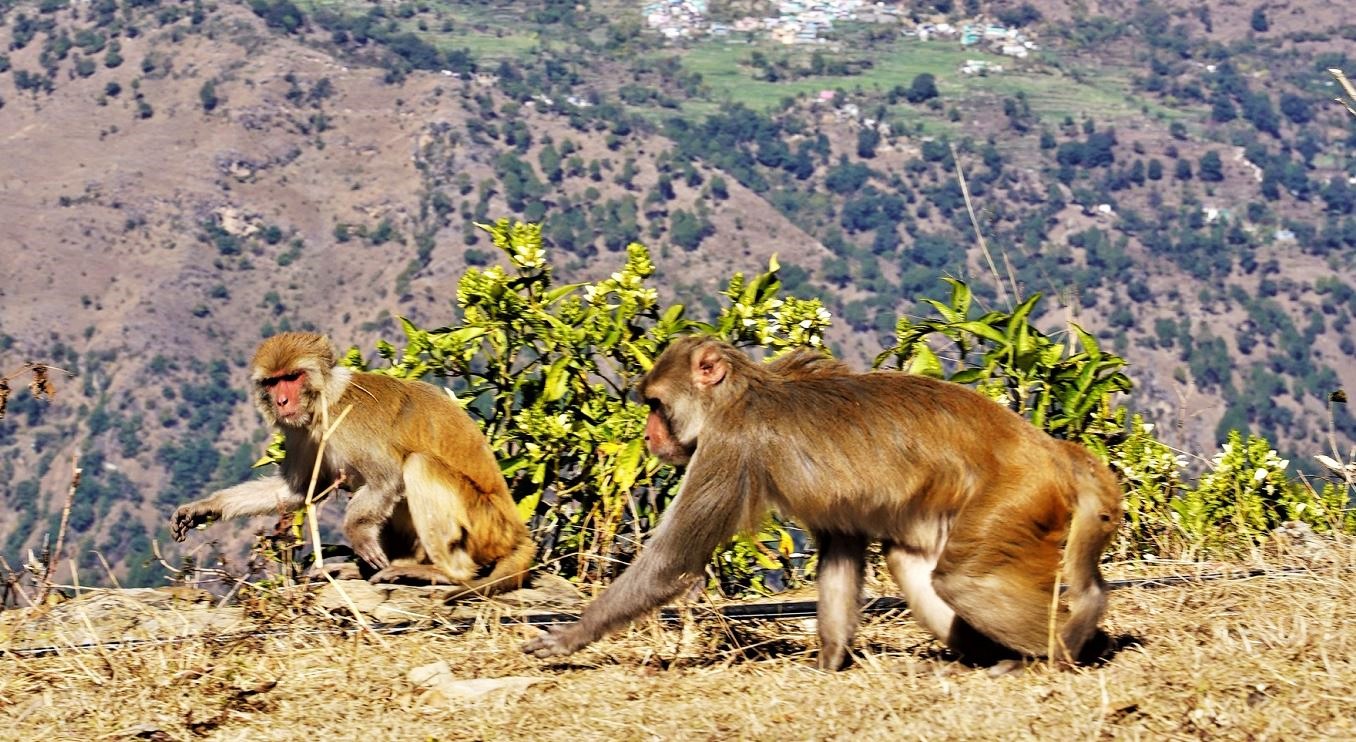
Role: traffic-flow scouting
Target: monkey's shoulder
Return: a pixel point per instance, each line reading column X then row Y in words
column 883, row 383
column 892, row 393
column 391, row 387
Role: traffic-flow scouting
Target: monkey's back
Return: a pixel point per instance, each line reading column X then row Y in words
column 881, row 447
column 448, row 434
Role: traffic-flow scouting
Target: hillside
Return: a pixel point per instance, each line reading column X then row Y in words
column 182, row 179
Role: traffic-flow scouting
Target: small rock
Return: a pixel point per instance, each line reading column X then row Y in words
column 547, row 590
column 363, row 595
column 439, row 682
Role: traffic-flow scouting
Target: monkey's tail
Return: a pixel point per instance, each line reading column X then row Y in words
column 509, row 573
column 1096, row 516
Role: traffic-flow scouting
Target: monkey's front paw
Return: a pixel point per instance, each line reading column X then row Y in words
column 557, row 641
column 369, row 550
column 188, row 517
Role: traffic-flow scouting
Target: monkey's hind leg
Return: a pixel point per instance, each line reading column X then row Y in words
column 411, row 572
column 842, row 560
column 1002, row 589
column 437, row 505
column 1097, row 512
column 912, row 570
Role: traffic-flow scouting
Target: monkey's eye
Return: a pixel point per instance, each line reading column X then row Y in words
column 653, row 404
column 290, row 376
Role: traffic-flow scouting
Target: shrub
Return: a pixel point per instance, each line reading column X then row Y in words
column 546, row 370
column 923, row 88
column 208, row 95
column 1017, row 365
column 1151, row 473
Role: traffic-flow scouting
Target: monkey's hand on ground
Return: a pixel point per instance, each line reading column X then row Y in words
column 558, row 641
column 368, row 548
column 190, row 516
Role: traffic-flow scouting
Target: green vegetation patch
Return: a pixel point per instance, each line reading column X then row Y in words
column 487, row 33
column 726, row 69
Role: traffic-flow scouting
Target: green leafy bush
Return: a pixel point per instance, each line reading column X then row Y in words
column 1062, row 387
column 1152, row 475
column 1246, row 494
column 546, row 370
column 1069, row 390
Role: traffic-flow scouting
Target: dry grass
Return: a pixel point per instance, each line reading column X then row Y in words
column 1261, row 658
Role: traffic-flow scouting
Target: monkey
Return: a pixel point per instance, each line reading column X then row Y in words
column 978, row 511
column 429, row 502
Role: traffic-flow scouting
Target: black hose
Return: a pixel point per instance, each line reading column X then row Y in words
column 736, row 612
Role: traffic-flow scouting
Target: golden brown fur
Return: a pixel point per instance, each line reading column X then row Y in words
column 429, row 503
column 975, row 507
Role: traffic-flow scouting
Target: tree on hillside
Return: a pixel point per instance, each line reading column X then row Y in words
column 1296, row 108
column 208, row 95
column 1211, row 168
column 1260, row 24
column 923, row 88
column 688, row 231
column 279, row 14
column 867, row 141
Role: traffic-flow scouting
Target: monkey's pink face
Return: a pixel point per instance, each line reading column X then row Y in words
column 660, row 440
column 285, row 390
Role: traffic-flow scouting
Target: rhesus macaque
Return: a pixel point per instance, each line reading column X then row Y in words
column 429, row 503
column 972, row 504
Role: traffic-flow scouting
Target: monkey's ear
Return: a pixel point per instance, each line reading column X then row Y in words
column 708, row 366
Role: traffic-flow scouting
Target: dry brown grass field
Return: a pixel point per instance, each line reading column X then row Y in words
column 1263, row 657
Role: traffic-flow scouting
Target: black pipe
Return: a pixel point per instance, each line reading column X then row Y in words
column 737, row 612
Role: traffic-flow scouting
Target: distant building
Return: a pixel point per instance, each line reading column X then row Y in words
column 980, row 67
column 1214, row 214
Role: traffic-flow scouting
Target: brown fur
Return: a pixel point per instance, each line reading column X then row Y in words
column 429, row 502
column 976, row 508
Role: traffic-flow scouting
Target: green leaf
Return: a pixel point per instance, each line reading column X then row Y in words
column 925, row 362
column 512, row 465
column 1086, row 340
column 412, row 331
column 751, row 547
column 758, row 290
column 627, row 468
column 960, row 296
column 1019, row 315
column 671, row 315
column 550, row 297
column 527, row 506
column 557, row 379
column 986, row 331
column 642, row 358
column 969, row 375
column 947, row 312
